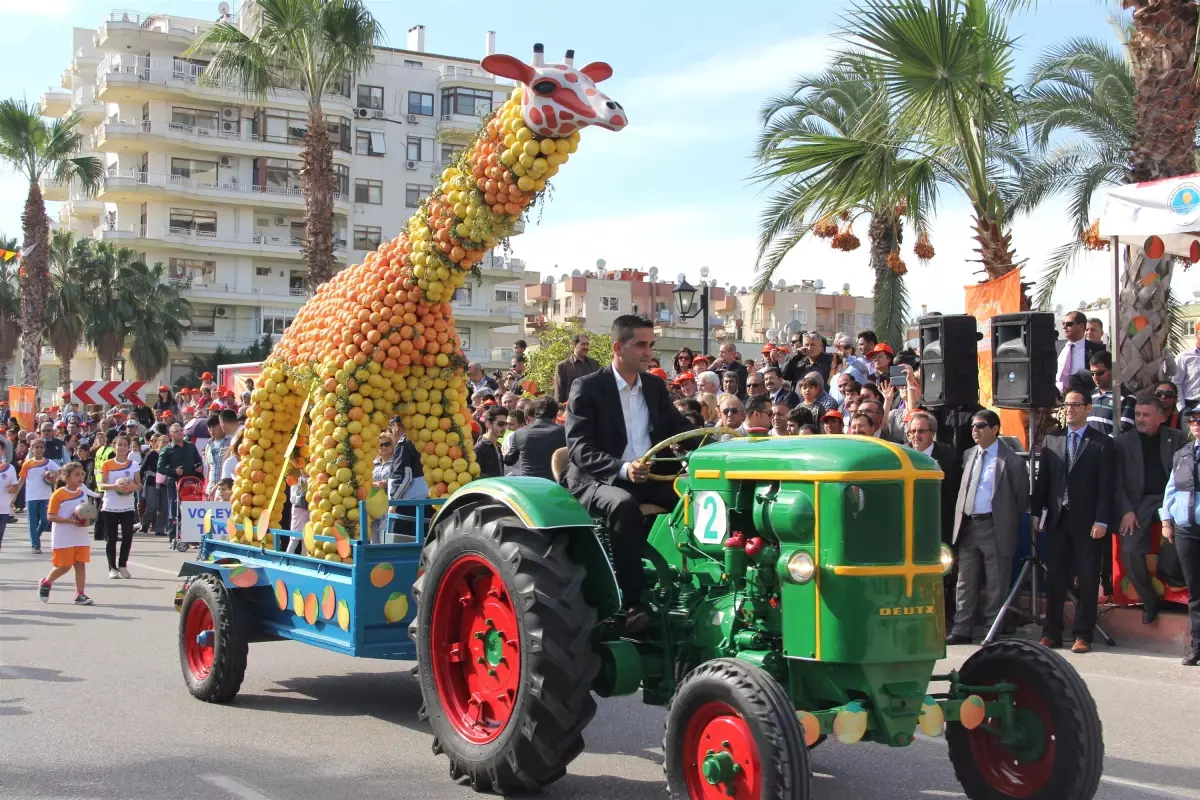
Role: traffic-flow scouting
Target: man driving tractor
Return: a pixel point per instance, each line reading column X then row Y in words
column 614, row 416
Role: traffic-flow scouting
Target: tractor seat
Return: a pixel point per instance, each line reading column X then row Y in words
column 558, row 464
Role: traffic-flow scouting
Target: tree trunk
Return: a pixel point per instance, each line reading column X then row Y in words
column 64, row 374
column 995, row 246
column 1142, row 337
column 35, row 284
column 319, row 182
column 4, row 378
column 890, row 311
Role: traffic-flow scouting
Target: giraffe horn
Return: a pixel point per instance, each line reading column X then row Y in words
column 539, row 59
column 569, row 60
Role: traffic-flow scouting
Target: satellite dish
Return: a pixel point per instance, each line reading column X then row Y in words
column 589, row 274
column 653, row 273
column 779, row 284
column 704, row 272
column 1058, row 308
column 549, row 279
column 794, row 327
column 223, row 9
column 771, row 333
column 600, row 263
column 576, row 273
column 1082, row 305
column 565, row 275
column 845, row 287
column 819, row 284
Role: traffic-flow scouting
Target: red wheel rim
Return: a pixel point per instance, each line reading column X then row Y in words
column 1001, row 766
column 199, row 657
column 475, row 649
column 720, row 757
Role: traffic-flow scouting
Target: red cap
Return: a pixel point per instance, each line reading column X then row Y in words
column 881, row 348
column 834, row 414
column 215, row 407
column 185, row 390
column 701, row 358
column 165, row 415
column 190, row 408
column 164, row 388
column 53, row 409
column 685, row 376
column 768, row 347
column 659, row 372
column 119, row 413
column 207, row 376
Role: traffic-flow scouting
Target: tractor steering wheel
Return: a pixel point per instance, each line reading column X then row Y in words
column 651, row 457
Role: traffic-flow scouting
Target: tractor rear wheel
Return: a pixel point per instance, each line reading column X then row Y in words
column 1062, row 754
column 732, row 733
column 212, row 641
column 504, row 653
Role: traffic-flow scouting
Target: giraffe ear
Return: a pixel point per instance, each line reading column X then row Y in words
column 508, row 67
column 597, row 71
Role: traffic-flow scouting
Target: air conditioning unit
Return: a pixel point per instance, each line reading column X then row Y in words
column 232, row 113
column 411, row 165
column 229, row 126
column 281, row 221
column 221, row 311
column 226, row 161
column 412, row 117
column 377, row 114
column 362, row 113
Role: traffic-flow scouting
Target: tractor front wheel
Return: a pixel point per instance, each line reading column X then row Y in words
column 504, row 654
column 1059, row 750
column 732, row 733
column 212, row 641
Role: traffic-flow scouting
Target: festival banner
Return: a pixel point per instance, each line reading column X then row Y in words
column 984, row 301
column 22, row 403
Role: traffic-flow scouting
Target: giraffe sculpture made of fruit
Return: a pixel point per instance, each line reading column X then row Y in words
column 379, row 338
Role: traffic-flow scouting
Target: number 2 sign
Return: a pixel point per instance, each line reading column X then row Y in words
column 712, row 519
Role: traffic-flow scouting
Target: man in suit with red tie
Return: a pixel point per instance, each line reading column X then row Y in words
column 614, row 417
column 1075, row 489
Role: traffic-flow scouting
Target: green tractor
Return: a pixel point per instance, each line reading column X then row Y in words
column 797, row 591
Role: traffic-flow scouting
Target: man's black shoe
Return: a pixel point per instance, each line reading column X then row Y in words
column 1192, row 658
column 1149, row 614
column 956, row 638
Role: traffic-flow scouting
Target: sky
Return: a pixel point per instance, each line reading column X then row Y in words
column 674, row 188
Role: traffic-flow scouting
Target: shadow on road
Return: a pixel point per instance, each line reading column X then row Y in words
column 16, row 673
column 391, row 697
column 69, row 614
column 1184, row 778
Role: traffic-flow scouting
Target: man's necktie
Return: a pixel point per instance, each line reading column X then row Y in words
column 973, row 482
column 1192, row 494
column 1066, row 370
column 1072, row 448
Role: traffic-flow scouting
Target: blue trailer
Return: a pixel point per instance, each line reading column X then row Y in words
column 234, row 594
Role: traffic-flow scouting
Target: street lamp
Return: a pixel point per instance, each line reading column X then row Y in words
column 685, row 301
column 120, row 365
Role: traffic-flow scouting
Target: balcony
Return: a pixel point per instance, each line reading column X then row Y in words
column 84, row 102
column 135, row 186
column 191, row 240
column 495, row 314
column 125, row 136
column 55, row 190
column 208, row 340
column 536, row 322
column 471, row 77
column 501, row 354
column 542, row 292
column 55, row 101
column 459, row 125
column 129, row 28
column 498, row 267
column 124, row 77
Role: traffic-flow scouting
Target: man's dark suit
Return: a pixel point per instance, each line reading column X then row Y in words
column 487, row 455
column 800, row 365
column 533, row 447
column 1070, row 548
column 944, row 455
column 1133, row 495
column 785, row 395
column 738, row 368
column 596, row 440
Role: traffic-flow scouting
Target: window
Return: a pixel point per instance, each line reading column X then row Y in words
column 557, row 307
column 203, row 320
column 200, row 171
column 199, row 118
column 567, row 304
column 506, row 295
column 369, row 143
column 463, row 296
column 799, row 315
column 471, row 102
column 192, row 270
column 416, row 149
column 289, row 127
column 413, row 192
column 420, row 103
column 274, row 323
column 367, row 237
column 280, row 174
column 610, row 304
column 262, row 272
column 339, row 132
column 370, row 96
column 845, row 321
column 366, row 191
column 464, row 337
column 451, row 152
column 186, row 220
column 408, row 62
column 865, row 321
column 342, row 173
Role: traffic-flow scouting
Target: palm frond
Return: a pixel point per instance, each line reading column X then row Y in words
column 1060, row 261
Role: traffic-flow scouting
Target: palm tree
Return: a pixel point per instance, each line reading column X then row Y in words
column 67, row 302
column 111, row 307
column 10, row 310
column 946, row 64
column 319, row 46
column 833, row 145
column 39, row 150
column 158, row 319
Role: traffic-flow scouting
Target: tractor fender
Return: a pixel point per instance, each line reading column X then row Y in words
column 546, row 506
column 230, row 572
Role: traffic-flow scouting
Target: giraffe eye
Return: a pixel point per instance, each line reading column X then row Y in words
column 545, row 87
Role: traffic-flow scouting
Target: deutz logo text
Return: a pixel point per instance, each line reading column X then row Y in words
column 907, row 611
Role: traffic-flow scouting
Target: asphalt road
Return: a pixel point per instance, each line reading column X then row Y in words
column 92, row 705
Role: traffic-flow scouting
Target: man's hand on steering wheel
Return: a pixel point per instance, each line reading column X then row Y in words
column 639, row 470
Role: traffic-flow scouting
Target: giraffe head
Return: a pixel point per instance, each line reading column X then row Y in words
column 559, row 99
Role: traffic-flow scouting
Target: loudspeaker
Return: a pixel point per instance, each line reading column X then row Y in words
column 1024, row 360
column 949, row 360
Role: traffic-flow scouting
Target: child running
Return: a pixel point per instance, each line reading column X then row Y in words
column 8, row 490
column 119, row 479
column 70, row 535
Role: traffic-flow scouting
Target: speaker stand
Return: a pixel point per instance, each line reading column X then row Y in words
column 1032, row 570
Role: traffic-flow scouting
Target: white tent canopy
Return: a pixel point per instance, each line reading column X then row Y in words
column 1168, row 209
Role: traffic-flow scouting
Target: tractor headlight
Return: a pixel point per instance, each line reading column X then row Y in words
column 801, row 568
column 947, row 558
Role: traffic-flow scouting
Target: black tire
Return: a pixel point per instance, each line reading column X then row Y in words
column 769, row 717
column 553, row 702
column 230, row 648
column 1071, row 771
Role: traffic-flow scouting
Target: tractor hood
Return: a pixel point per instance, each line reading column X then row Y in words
column 806, row 457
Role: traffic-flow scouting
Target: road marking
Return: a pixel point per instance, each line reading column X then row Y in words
column 233, row 787
column 172, row 572
column 1148, row 788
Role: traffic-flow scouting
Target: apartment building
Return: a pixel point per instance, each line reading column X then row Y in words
column 595, row 298
column 207, row 181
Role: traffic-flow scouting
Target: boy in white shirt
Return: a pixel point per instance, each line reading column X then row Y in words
column 8, row 490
